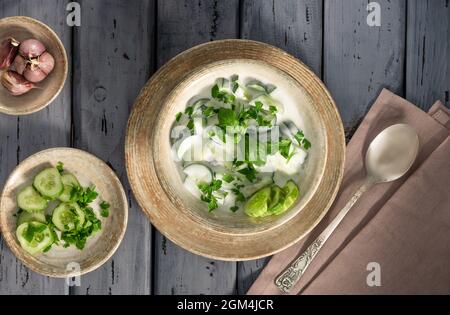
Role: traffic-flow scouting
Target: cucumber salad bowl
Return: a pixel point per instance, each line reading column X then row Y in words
column 234, row 150
column 63, row 212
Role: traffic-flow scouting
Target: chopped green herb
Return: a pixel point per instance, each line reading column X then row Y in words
column 208, row 111
column 207, row 190
column 249, row 172
column 60, row 167
column 234, row 208
column 104, row 209
column 285, row 148
column 178, row 116
column 83, row 196
column 227, row 117
column 228, row 178
column 302, row 141
column 189, row 111
column 273, row 109
column 191, row 125
column 79, row 236
column 215, row 91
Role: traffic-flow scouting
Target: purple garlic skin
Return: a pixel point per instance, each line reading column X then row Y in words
column 8, row 51
column 15, row 83
column 31, row 48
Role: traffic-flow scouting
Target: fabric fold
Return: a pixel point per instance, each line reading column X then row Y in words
column 433, row 130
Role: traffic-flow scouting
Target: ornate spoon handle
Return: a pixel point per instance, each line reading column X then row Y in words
column 287, row 280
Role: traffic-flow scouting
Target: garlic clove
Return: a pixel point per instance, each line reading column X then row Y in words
column 46, row 62
column 31, row 48
column 34, row 73
column 15, row 83
column 8, row 51
column 20, row 64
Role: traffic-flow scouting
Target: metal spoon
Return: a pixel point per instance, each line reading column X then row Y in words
column 389, row 157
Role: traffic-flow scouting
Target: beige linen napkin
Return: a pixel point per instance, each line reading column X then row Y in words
column 403, row 226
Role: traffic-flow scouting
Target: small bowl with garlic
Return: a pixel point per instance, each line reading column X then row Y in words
column 33, row 65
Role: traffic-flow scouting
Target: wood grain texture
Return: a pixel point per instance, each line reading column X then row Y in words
column 181, row 25
column 428, row 52
column 360, row 60
column 292, row 25
column 297, row 27
column 113, row 59
column 21, row 137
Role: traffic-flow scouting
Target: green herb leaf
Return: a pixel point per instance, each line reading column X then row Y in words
column 191, row 126
column 273, row 109
column 207, row 190
column 189, row 110
column 285, row 147
column 234, row 208
column 228, row 178
column 178, row 116
column 249, row 172
column 215, row 91
column 227, row 117
column 104, row 209
column 60, row 167
column 302, row 141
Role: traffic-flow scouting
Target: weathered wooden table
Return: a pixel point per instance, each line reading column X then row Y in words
column 120, row 43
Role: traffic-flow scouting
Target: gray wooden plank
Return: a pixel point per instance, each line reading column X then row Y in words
column 295, row 26
column 181, row 25
column 360, row 60
column 428, row 52
column 21, row 137
column 292, row 25
column 113, row 60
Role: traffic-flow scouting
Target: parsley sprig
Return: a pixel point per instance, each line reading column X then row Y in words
column 207, row 190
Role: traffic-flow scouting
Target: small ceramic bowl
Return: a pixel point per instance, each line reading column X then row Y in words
column 158, row 186
column 65, row 262
column 21, row 28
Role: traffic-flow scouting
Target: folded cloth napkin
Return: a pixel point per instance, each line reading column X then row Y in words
column 403, row 226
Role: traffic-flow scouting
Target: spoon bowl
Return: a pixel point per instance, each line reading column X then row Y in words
column 392, row 153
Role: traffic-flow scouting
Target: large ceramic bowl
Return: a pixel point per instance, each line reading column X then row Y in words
column 21, row 28
column 90, row 171
column 157, row 184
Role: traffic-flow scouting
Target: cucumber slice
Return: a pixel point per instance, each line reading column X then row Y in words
column 256, row 85
column 48, row 183
column 69, row 181
column 199, row 124
column 256, row 206
column 198, row 173
column 199, row 105
column 34, row 237
column 30, row 200
column 31, row 217
column 68, row 216
column 276, row 197
column 223, row 84
column 191, row 149
column 291, row 193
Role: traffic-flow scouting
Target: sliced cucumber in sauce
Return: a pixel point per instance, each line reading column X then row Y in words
column 68, row 216
column 69, row 181
column 48, row 183
column 31, row 217
column 31, row 201
column 34, row 237
column 198, row 173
